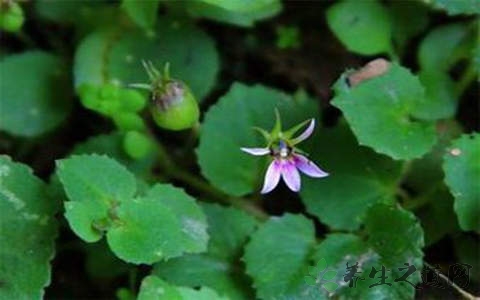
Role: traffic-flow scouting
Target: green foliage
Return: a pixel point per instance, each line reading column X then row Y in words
column 393, row 238
column 137, row 145
column 153, row 288
column 252, row 107
column 219, row 268
column 162, row 224
column 468, row 7
column 446, row 45
column 364, row 27
column 237, row 12
column 35, row 93
column 144, row 167
column 143, row 13
column 11, row 17
column 27, row 232
column 277, row 254
column 409, row 19
column 397, row 100
column 366, row 178
column 288, row 37
column 462, row 175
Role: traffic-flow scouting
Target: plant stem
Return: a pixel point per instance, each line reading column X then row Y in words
column 202, row 186
column 464, row 293
column 467, row 77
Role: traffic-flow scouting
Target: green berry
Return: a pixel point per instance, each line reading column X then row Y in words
column 109, row 92
column 174, row 107
column 11, row 17
column 128, row 121
column 131, row 100
column 136, row 144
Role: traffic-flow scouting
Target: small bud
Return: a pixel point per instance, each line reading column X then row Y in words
column 11, row 16
column 173, row 105
column 137, row 144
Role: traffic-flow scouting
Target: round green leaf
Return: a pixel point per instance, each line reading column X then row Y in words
column 153, row 288
column 143, row 13
column 456, row 7
column 446, row 45
column 94, row 185
column 363, row 27
column 287, row 239
column 392, row 238
column 228, row 229
column 35, row 93
column 163, row 224
column 441, row 97
column 358, row 178
column 116, row 55
column 241, row 13
column 384, row 107
column 462, row 176
column 228, row 126
column 27, row 232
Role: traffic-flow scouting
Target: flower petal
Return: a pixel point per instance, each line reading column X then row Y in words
column 290, row 175
column 308, row 167
column 304, row 135
column 272, row 177
column 256, row 151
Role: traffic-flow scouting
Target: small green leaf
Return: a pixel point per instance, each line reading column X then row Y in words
column 287, row 239
column 462, row 175
column 241, row 13
column 163, row 224
column 153, row 288
column 115, row 55
column 391, row 100
column 222, row 136
column 27, row 232
column 330, row 286
column 112, row 146
column 95, row 185
column 143, row 13
column 321, row 265
column 446, row 45
column 219, row 268
column 35, row 94
column 457, row 7
column 441, row 97
column 358, row 178
column 329, row 275
column 310, row 280
column 409, row 19
column 392, row 238
column 363, row 27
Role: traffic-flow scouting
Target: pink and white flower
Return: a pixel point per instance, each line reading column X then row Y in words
column 287, row 162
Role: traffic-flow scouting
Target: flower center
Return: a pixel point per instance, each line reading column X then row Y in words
column 282, row 150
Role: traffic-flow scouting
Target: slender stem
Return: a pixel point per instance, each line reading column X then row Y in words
column 468, row 76
column 464, row 293
column 202, row 186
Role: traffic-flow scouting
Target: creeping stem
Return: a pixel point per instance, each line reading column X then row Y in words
column 200, row 185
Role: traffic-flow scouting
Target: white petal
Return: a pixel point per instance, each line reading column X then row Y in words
column 308, row 167
column 256, row 151
column 306, row 134
column 290, row 175
column 272, row 177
